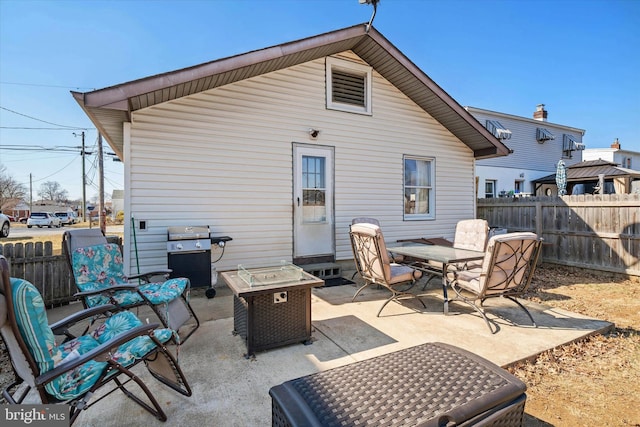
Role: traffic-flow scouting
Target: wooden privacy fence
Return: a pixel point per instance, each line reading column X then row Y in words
column 36, row 263
column 600, row 232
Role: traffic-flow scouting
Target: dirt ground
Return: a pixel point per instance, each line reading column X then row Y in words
column 594, row 382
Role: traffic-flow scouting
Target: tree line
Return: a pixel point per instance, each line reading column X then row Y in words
column 12, row 191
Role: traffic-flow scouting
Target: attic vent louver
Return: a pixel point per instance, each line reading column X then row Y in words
column 498, row 130
column 543, row 135
column 348, row 85
column 348, row 88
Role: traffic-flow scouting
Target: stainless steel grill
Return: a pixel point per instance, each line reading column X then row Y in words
column 189, row 232
column 189, row 253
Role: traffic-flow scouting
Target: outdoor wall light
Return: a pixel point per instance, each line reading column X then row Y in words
column 313, row 133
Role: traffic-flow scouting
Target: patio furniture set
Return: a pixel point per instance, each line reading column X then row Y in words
column 429, row 384
column 475, row 266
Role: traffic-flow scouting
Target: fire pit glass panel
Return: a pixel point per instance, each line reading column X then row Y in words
column 286, row 273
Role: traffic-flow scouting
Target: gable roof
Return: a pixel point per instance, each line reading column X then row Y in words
column 532, row 121
column 111, row 107
column 589, row 170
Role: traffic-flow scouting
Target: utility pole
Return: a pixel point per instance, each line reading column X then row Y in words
column 30, row 194
column 103, row 211
column 84, row 184
column 84, row 180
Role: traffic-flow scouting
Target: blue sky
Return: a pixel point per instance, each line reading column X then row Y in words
column 579, row 57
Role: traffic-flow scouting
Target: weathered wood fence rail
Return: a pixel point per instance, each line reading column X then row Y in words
column 36, row 263
column 600, row 232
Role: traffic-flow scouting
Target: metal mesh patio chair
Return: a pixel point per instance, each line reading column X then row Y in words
column 506, row 271
column 374, row 221
column 80, row 371
column 98, row 271
column 372, row 262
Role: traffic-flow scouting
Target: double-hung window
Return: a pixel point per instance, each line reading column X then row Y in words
column 489, row 188
column 348, row 86
column 419, row 188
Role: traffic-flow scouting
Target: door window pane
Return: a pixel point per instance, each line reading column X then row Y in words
column 314, row 207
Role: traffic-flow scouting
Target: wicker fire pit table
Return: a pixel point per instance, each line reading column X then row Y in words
column 271, row 306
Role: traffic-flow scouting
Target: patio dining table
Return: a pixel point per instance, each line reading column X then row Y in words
column 418, row 256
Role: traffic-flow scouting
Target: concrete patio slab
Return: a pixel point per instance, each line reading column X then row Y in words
column 230, row 390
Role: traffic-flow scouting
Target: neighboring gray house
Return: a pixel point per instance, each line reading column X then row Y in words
column 537, row 147
column 624, row 158
column 281, row 147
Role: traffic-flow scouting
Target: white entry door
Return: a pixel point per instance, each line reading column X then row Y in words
column 312, row 201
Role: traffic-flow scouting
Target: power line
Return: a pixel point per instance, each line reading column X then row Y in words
column 59, row 148
column 56, row 172
column 43, row 121
column 28, row 128
column 43, row 85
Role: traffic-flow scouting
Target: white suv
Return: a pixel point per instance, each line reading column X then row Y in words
column 66, row 218
column 43, row 219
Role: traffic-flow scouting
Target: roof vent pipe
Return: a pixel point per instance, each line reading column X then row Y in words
column 367, row 27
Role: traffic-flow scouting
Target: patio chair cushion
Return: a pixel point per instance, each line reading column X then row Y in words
column 101, row 266
column 473, row 279
column 467, row 279
column 402, row 273
column 132, row 350
column 31, row 318
column 471, row 234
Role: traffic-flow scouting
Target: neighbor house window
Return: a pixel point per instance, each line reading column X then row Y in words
column 518, row 186
column 419, row 188
column 569, row 145
column 489, row 188
column 348, row 86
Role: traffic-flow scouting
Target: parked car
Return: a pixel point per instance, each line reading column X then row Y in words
column 4, row 225
column 66, row 218
column 43, row 219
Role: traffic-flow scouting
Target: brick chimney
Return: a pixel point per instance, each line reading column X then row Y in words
column 616, row 144
column 540, row 113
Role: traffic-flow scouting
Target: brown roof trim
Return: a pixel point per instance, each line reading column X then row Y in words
column 110, row 107
column 456, row 108
column 114, row 95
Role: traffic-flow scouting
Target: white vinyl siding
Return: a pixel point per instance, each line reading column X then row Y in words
column 531, row 159
column 528, row 152
column 223, row 158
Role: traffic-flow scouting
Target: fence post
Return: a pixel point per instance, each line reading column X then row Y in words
column 539, row 218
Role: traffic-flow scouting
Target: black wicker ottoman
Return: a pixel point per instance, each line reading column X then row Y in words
column 432, row 384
